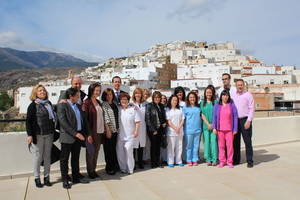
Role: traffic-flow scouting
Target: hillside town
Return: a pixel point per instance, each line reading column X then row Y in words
column 192, row 65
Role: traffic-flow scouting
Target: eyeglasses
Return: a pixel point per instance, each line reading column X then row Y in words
column 224, row 79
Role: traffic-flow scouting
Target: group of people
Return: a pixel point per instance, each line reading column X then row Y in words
column 134, row 130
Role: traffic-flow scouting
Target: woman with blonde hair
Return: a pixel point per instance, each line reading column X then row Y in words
column 40, row 127
column 140, row 142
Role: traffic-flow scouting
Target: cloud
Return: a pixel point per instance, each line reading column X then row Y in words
column 196, row 8
column 13, row 40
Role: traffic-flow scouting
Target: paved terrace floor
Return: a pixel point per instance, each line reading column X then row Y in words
column 276, row 175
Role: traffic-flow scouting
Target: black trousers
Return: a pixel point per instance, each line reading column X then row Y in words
column 110, row 153
column 139, row 158
column 247, row 137
column 66, row 149
column 155, row 141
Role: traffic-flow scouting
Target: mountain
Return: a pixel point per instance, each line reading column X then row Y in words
column 15, row 59
column 15, row 78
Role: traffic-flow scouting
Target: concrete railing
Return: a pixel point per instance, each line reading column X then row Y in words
column 16, row 159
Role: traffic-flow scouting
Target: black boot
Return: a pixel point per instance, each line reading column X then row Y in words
column 47, row 181
column 38, row 183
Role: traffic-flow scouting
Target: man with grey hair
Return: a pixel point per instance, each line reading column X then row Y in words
column 76, row 82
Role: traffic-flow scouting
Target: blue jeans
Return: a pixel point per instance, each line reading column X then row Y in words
column 192, row 147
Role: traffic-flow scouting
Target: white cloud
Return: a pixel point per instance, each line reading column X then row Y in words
column 13, row 40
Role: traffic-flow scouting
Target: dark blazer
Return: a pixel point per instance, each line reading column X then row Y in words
column 63, row 95
column 116, row 99
column 91, row 114
column 68, row 123
column 151, row 117
column 38, row 122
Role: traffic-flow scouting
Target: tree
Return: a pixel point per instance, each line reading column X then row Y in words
column 5, row 101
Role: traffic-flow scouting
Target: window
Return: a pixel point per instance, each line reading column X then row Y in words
column 285, row 82
column 53, row 94
column 272, row 81
column 257, row 105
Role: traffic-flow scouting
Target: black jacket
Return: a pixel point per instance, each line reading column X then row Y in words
column 151, row 117
column 38, row 122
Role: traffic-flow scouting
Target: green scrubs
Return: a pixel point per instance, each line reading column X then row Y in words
column 210, row 139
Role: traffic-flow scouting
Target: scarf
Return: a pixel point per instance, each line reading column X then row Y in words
column 48, row 107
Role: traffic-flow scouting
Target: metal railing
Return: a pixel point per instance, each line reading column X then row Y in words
column 277, row 112
column 19, row 124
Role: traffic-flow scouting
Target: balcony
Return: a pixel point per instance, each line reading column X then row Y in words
column 275, row 174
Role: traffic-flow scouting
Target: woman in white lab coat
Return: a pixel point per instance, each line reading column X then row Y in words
column 140, row 142
column 129, row 120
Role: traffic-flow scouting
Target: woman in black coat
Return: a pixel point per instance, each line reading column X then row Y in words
column 156, row 124
column 40, row 127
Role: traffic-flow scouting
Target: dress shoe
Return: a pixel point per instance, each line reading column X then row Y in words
column 250, row 165
column 92, row 176
column 38, row 183
column 111, row 172
column 141, row 166
column 96, row 175
column 66, row 185
column 80, row 176
column 236, row 163
column 75, row 181
column 47, row 181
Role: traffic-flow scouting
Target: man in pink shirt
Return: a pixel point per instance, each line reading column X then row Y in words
column 245, row 106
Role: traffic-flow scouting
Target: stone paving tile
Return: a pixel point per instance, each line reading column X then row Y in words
column 274, row 176
column 56, row 192
column 13, row 189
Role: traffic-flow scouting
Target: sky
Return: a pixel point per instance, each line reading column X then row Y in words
column 100, row 29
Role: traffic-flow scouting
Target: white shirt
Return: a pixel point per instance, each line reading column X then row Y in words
column 127, row 119
column 100, row 120
column 116, row 92
column 175, row 116
column 232, row 90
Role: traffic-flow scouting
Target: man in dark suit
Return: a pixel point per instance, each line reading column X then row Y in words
column 116, row 83
column 76, row 83
column 73, row 131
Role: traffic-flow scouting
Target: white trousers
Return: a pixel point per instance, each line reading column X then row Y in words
column 125, row 155
column 175, row 149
